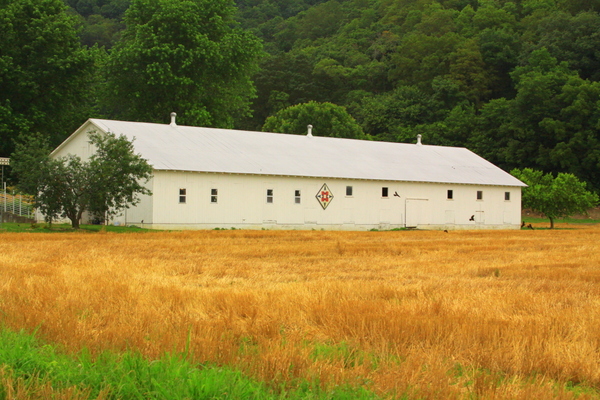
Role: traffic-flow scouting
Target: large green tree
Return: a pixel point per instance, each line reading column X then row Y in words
column 110, row 181
column 555, row 197
column 45, row 74
column 182, row 56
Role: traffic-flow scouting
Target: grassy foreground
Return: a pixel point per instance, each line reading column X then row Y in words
column 32, row 370
column 457, row 315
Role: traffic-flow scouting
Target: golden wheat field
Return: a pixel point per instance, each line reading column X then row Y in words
column 428, row 314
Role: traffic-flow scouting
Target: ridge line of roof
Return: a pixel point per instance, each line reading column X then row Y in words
column 273, row 133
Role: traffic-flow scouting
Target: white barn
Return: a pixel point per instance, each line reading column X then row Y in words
column 207, row 178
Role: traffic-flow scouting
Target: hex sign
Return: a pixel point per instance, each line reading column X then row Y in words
column 324, row 196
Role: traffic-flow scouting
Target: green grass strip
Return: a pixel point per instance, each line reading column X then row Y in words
column 131, row 376
column 15, row 227
column 561, row 220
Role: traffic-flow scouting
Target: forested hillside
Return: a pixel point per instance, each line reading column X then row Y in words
column 515, row 81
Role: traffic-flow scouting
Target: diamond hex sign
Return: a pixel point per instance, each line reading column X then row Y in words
column 324, row 196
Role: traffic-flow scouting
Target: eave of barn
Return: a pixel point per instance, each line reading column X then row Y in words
column 335, row 178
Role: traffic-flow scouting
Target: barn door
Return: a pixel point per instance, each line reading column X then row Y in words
column 416, row 212
column 480, row 217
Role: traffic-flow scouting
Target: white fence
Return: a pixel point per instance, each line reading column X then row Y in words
column 16, row 204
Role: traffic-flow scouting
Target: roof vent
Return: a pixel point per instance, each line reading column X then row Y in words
column 419, row 140
column 309, row 127
column 173, row 116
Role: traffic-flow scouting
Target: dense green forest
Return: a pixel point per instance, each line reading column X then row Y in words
column 515, row 81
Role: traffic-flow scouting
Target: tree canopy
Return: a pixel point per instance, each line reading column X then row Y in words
column 111, row 180
column 555, row 197
column 45, row 74
column 326, row 118
column 182, row 56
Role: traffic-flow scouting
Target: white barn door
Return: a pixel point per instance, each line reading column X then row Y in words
column 416, row 212
column 480, row 217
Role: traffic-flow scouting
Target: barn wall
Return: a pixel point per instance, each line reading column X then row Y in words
column 78, row 144
column 242, row 203
column 141, row 214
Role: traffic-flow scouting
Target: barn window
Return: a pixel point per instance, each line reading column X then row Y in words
column 348, row 190
column 507, row 196
column 214, row 195
column 450, row 194
column 384, row 192
column 269, row 195
column 479, row 195
column 182, row 195
column 297, row 198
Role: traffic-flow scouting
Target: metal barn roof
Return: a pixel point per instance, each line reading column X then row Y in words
column 188, row 148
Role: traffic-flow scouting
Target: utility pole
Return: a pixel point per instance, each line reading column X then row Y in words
column 3, row 161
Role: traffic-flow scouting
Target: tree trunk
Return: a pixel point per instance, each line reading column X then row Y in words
column 74, row 217
column 551, row 223
column 79, row 215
